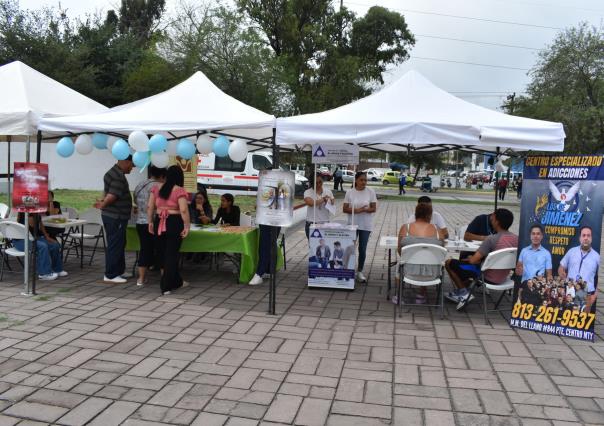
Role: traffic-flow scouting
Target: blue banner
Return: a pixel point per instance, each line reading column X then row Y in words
column 559, row 245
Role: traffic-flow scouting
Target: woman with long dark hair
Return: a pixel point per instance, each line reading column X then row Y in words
column 171, row 225
column 361, row 201
column 201, row 209
column 228, row 213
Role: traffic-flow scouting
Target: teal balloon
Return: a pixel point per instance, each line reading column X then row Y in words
column 99, row 140
column 185, row 149
column 158, row 143
column 221, row 146
column 121, row 149
column 65, row 147
column 140, row 159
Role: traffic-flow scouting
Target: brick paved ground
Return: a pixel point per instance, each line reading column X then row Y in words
column 83, row 352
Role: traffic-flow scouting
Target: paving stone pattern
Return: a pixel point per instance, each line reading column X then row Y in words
column 82, row 352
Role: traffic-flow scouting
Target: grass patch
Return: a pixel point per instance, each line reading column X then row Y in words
column 43, row 298
column 3, row 318
column 83, row 200
column 64, row 290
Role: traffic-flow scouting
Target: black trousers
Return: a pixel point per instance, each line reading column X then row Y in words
column 146, row 255
column 115, row 256
column 168, row 252
column 264, row 248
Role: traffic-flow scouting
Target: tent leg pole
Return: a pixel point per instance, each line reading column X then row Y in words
column 38, row 146
column 26, row 258
column 272, row 302
column 10, row 198
column 496, row 178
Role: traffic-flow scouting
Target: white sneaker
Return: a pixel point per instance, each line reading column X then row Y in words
column 166, row 293
column 140, row 283
column 361, row 277
column 48, row 277
column 116, row 280
column 256, row 280
column 126, row 275
column 62, row 274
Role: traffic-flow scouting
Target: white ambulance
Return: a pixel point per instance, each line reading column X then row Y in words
column 221, row 175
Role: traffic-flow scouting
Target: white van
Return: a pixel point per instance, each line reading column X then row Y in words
column 221, row 175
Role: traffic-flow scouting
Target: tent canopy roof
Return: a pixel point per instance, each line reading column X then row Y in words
column 194, row 105
column 414, row 112
column 28, row 95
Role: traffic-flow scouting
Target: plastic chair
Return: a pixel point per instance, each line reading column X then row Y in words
column 4, row 211
column 422, row 254
column 245, row 220
column 12, row 231
column 500, row 259
column 70, row 212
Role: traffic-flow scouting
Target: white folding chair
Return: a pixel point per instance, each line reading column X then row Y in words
column 499, row 259
column 12, row 231
column 422, row 254
column 245, row 220
column 70, row 212
column 4, row 211
column 94, row 231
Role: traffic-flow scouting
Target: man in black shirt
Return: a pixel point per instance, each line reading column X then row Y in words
column 116, row 207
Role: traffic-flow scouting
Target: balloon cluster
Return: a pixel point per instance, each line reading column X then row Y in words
column 155, row 150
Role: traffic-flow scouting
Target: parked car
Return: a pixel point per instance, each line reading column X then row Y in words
column 348, row 176
column 373, row 175
column 390, row 177
column 325, row 173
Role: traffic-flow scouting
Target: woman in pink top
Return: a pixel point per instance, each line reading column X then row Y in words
column 171, row 224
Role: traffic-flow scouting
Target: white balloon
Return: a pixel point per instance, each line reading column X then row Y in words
column 238, row 150
column 160, row 159
column 83, row 144
column 205, row 144
column 139, row 141
column 172, row 147
column 110, row 142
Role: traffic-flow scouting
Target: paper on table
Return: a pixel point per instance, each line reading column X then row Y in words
column 331, row 208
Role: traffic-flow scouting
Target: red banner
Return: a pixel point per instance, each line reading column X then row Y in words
column 30, row 188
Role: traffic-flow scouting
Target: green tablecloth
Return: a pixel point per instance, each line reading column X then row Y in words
column 236, row 239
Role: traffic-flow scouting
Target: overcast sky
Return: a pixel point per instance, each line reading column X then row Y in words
column 450, row 37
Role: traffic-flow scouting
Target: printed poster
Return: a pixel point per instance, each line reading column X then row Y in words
column 565, row 196
column 189, row 169
column 30, row 187
column 275, row 198
column 335, row 154
column 332, row 256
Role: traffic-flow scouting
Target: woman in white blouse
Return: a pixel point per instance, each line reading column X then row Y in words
column 317, row 198
column 362, row 201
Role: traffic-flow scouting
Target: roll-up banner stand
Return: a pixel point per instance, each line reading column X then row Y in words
column 332, row 246
column 564, row 195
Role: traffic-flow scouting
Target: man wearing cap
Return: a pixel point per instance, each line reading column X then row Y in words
column 116, row 208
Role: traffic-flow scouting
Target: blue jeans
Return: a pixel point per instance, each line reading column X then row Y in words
column 115, row 257
column 363, row 237
column 48, row 255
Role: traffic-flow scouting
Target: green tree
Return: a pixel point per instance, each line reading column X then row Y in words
column 140, row 18
column 219, row 42
column 568, row 86
column 328, row 57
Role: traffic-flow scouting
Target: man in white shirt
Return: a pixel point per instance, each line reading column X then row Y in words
column 437, row 218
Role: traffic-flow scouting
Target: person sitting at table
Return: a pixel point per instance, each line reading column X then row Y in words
column 142, row 193
column 201, row 209
column 421, row 231
column 54, row 208
column 437, row 218
column 228, row 214
column 49, row 262
column 171, row 225
column 464, row 272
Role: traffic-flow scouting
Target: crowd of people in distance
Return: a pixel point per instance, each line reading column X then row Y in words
column 555, row 292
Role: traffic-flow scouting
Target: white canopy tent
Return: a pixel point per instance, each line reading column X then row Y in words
column 414, row 113
column 193, row 106
column 28, row 95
